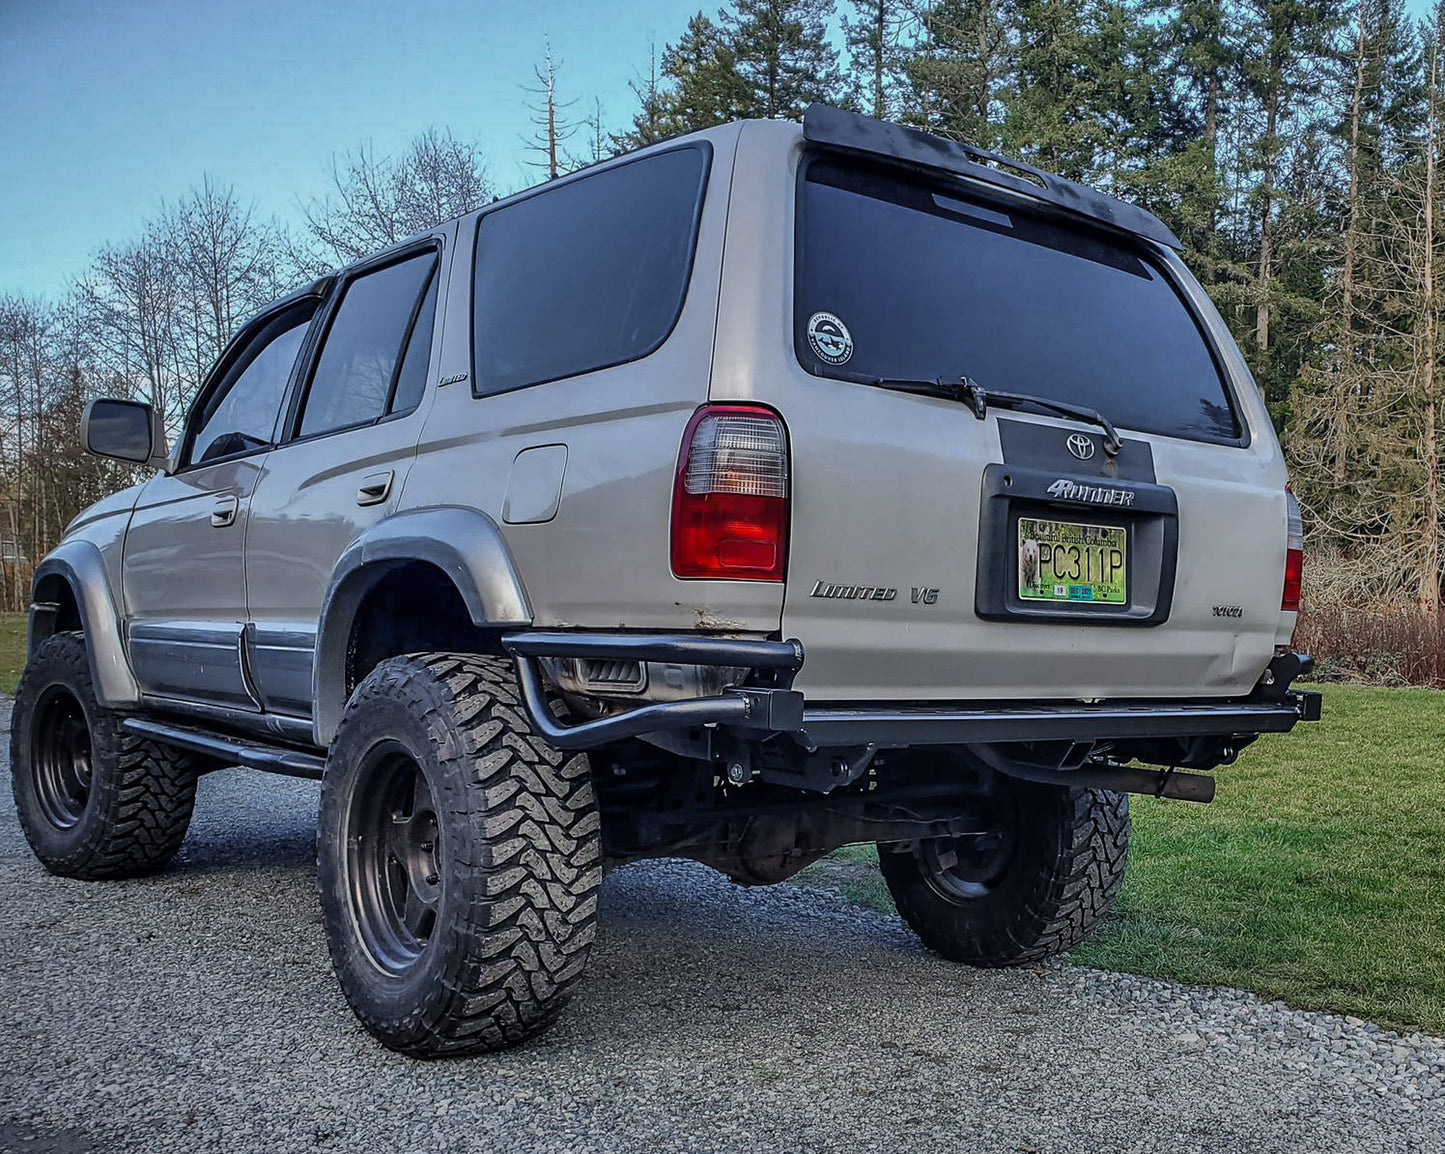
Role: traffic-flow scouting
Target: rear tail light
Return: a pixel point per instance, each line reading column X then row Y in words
column 1294, row 558
column 730, row 501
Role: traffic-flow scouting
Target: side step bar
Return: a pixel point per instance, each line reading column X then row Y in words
column 231, row 750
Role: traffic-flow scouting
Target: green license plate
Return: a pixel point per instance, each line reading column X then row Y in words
column 1067, row 561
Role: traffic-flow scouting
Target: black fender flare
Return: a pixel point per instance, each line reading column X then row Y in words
column 80, row 565
column 464, row 544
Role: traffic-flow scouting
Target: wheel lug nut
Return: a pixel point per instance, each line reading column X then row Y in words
column 432, row 879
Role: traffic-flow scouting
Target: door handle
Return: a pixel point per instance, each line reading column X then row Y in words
column 225, row 512
column 374, row 488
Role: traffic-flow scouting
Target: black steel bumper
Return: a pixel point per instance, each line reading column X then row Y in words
column 780, row 709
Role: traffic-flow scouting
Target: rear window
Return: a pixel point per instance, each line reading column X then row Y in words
column 929, row 283
column 586, row 275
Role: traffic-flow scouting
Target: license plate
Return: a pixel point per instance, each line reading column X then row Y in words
column 1072, row 562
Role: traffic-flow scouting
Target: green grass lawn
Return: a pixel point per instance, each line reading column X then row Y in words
column 1317, row 875
column 12, row 650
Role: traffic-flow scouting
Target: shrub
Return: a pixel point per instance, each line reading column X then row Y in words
column 1375, row 645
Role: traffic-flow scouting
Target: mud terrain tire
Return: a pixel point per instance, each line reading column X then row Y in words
column 94, row 801
column 1033, row 890
column 459, row 859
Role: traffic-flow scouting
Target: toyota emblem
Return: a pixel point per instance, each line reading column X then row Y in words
column 1081, row 446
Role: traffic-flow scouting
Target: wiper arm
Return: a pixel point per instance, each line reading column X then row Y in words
column 978, row 399
column 936, row 387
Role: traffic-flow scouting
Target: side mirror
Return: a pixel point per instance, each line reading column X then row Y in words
column 125, row 430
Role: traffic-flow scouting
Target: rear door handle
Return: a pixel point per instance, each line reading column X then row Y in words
column 225, row 512
column 374, row 488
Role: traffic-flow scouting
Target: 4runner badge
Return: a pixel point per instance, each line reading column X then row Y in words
column 1094, row 494
column 829, row 338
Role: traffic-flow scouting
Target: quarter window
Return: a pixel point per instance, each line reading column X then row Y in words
column 586, row 275
column 361, row 372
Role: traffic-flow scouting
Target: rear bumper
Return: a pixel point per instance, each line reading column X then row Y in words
column 772, row 706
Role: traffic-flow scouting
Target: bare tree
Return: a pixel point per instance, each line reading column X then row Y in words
column 376, row 201
column 129, row 300
column 550, row 116
column 228, row 266
column 45, row 478
column 597, row 138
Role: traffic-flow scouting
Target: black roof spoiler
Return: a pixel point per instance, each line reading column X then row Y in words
column 848, row 130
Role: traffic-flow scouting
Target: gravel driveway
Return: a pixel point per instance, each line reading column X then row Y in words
column 196, row 1011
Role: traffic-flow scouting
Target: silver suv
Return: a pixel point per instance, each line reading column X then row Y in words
column 767, row 490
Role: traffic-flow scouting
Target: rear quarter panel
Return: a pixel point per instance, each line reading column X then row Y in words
column 600, row 558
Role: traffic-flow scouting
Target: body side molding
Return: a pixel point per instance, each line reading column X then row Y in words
column 464, row 544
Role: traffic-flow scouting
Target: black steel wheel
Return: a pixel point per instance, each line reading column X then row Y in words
column 393, row 858
column 1034, row 885
column 459, row 858
column 967, row 869
column 94, row 801
column 60, row 756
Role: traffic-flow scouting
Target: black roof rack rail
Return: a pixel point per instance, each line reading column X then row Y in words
column 847, row 130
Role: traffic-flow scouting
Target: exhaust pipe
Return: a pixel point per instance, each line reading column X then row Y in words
column 1170, row 783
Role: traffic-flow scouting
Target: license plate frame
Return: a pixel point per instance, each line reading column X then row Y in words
column 1072, row 563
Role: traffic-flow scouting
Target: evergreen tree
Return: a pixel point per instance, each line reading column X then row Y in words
column 1364, row 441
column 1079, row 89
column 706, row 85
column 965, row 56
column 1290, row 54
column 782, row 53
column 1198, row 62
column 650, row 122
column 872, row 38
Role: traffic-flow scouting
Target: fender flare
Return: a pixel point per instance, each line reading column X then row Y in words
column 465, row 544
column 80, row 565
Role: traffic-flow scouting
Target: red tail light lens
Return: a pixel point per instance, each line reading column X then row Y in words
column 730, row 501
column 1294, row 558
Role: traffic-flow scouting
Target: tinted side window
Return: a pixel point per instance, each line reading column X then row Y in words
column 352, row 384
column 411, row 378
column 241, row 414
column 586, row 275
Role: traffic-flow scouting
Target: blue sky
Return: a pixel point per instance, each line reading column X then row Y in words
column 109, row 107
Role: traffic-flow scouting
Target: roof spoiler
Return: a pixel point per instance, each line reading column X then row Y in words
column 848, row 130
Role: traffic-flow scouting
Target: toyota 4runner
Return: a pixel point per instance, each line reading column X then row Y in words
column 770, row 489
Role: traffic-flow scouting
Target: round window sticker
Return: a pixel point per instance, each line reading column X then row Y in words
column 829, row 338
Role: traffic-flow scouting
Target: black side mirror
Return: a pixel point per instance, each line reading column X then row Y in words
column 125, row 430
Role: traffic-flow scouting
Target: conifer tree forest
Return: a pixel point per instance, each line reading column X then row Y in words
column 1295, row 147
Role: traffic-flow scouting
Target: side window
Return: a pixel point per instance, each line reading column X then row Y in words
column 587, row 275
column 411, row 378
column 361, row 372
column 240, row 415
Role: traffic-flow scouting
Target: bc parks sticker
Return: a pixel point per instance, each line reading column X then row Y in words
column 829, row 338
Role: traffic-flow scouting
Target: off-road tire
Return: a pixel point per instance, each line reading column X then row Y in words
column 127, row 812
column 509, row 860
column 1056, row 880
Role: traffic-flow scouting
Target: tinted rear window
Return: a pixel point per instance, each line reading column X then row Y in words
column 586, row 275
column 930, row 283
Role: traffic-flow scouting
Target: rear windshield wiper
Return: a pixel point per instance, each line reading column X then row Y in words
column 978, row 399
